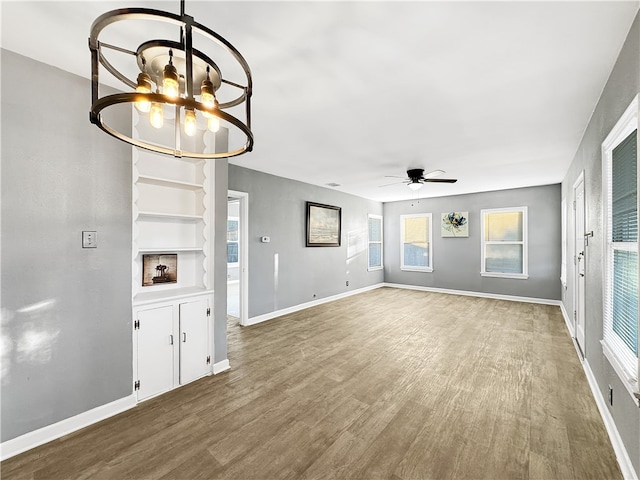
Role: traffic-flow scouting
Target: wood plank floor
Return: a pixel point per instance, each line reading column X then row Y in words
column 394, row 384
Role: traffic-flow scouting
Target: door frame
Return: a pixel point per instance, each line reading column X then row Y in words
column 243, row 251
column 578, row 238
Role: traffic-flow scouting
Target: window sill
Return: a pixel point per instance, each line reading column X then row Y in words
column 516, row 276
column 416, row 269
column 373, row 269
column 630, row 384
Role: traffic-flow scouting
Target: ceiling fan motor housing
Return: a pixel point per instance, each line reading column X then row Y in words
column 415, row 174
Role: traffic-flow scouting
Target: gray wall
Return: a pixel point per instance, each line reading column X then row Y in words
column 622, row 86
column 456, row 261
column 277, row 208
column 66, row 311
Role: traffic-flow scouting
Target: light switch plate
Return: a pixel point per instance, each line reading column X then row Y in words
column 89, row 239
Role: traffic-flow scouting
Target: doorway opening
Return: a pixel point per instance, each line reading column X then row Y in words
column 237, row 257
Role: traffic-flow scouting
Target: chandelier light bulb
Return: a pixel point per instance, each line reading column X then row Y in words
column 170, row 84
column 207, row 95
column 415, row 186
column 190, row 122
column 144, row 86
column 213, row 124
column 208, row 100
column 155, row 116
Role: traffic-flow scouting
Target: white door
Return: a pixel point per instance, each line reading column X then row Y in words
column 194, row 340
column 154, row 351
column 580, row 271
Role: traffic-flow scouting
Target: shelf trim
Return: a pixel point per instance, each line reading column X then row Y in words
column 165, row 182
column 177, row 216
column 146, row 298
column 169, row 250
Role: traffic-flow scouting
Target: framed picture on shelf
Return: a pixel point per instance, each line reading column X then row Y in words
column 455, row 224
column 159, row 269
column 324, row 223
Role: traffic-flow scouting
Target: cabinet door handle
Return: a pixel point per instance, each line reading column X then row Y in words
column 170, row 339
column 184, row 337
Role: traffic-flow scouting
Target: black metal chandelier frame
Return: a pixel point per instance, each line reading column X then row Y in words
column 192, row 58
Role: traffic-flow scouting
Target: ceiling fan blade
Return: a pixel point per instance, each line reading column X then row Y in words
column 432, row 174
column 389, row 184
column 441, row 180
column 394, row 176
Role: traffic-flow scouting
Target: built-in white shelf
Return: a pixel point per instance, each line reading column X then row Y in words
column 165, row 182
column 168, row 249
column 144, row 298
column 173, row 216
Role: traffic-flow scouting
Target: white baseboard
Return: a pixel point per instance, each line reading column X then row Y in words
column 302, row 306
column 567, row 320
column 46, row 434
column 495, row 296
column 618, row 447
column 220, row 367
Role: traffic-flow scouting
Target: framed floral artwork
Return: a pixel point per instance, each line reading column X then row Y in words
column 455, row 224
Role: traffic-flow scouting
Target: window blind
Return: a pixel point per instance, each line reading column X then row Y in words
column 375, row 242
column 621, row 292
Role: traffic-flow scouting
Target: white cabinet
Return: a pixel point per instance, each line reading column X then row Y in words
column 155, row 351
column 194, row 350
column 172, row 344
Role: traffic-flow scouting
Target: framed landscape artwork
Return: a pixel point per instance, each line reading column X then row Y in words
column 323, row 225
column 455, row 224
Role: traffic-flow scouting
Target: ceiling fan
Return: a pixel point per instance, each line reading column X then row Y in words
column 416, row 178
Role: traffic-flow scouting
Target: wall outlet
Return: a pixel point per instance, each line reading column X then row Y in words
column 89, row 239
column 347, row 283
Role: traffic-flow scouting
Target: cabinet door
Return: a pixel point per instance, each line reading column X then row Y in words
column 194, row 340
column 155, row 351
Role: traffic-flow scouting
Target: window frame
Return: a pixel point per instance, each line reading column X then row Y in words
column 413, row 268
column 237, row 242
column 381, row 243
column 524, row 242
column 627, row 370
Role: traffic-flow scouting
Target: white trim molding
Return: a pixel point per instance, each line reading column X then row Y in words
column 628, row 472
column 43, row 435
column 296, row 308
column 221, row 366
column 619, row 449
column 567, row 319
column 495, row 296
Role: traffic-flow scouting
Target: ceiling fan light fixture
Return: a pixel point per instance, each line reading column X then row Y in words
column 175, row 74
column 415, row 185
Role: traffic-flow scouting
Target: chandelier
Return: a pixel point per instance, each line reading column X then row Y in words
column 184, row 105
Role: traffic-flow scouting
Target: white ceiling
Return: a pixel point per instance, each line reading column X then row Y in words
column 497, row 94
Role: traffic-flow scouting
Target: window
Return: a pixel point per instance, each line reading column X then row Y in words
column 375, row 242
column 415, row 241
column 232, row 240
column 620, row 185
column 504, row 242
